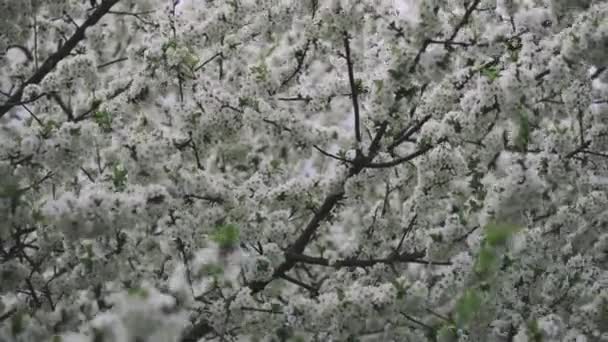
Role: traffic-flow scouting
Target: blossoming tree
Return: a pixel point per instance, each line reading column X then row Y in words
column 303, row 170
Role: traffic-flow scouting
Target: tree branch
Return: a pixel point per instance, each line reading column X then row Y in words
column 398, row 161
column 327, row 154
column 354, row 262
column 50, row 63
column 407, row 132
column 353, row 87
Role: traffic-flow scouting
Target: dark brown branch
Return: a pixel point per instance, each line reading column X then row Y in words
column 101, row 66
column 199, row 329
column 464, row 20
column 297, row 98
column 50, row 63
column 270, row 311
column 212, row 199
column 408, row 132
column 64, row 107
column 70, row 20
column 7, row 315
column 599, row 154
column 374, row 147
column 207, row 61
column 410, row 226
column 292, row 280
column 598, row 72
column 33, row 115
column 327, row 154
column 466, row 235
column 88, row 174
column 32, row 292
column 353, row 87
column 300, row 57
column 425, row 44
column 277, row 125
column 395, row 258
column 136, row 15
column 579, row 149
column 38, row 182
column 197, row 158
column 449, row 43
column 414, row 320
column 95, row 105
column 322, row 213
column 457, row 28
column 21, row 103
column 401, row 160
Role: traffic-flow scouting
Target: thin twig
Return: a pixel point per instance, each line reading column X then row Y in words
column 325, row 153
column 103, row 65
column 207, row 61
column 401, row 160
column 310, row 288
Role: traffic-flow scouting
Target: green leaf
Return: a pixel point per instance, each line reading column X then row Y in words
column 353, row 338
column 75, row 131
column 98, row 335
column 10, row 190
column 88, row 264
column 379, row 85
column 119, row 177
column 447, row 333
column 103, row 119
column 260, row 72
column 13, row 193
column 37, row 216
column 275, row 163
column 87, row 260
column 275, row 307
column 271, row 50
column 56, row 338
column 487, row 262
column 212, row 270
column 17, row 323
column 436, row 237
column 191, row 60
column 534, row 331
column 399, row 72
column 490, row 72
column 341, row 294
column 399, row 287
column 248, row 101
column 574, row 37
column 88, row 248
column 170, row 44
column 561, row 130
column 263, row 265
column 226, row 236
column 48, row 128
column 461, row 217
column 497, row 234
column 138, row 292
column 359, row 87
column 467, row 307
column 603, row 315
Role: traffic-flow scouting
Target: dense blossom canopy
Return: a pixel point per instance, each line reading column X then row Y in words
column 306, row 170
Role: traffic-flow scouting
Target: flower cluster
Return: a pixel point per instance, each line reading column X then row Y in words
column 303, row 170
